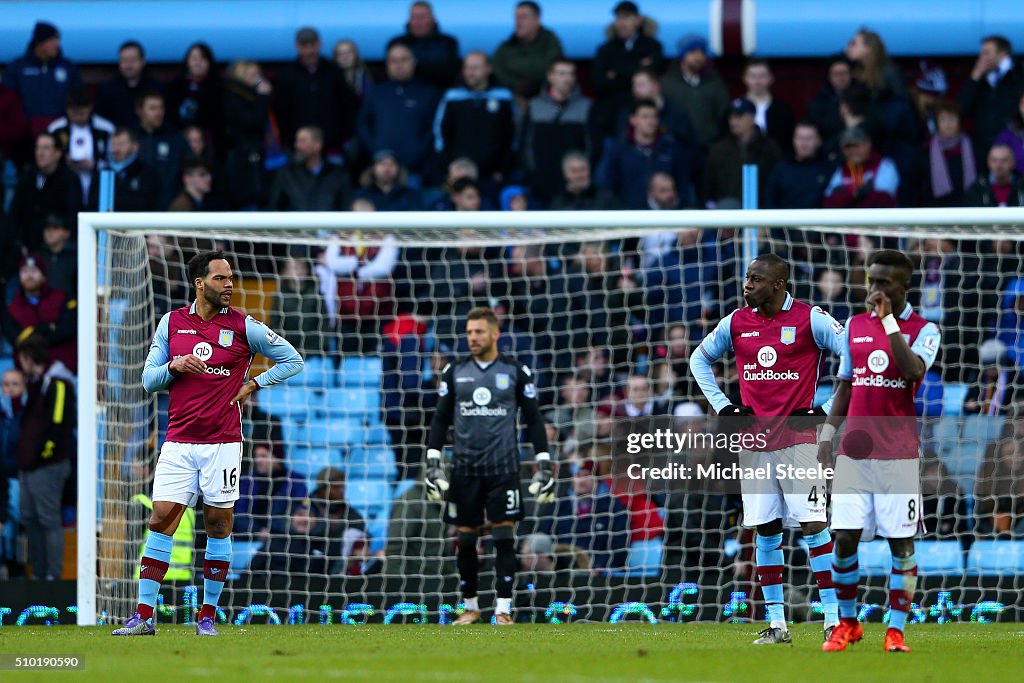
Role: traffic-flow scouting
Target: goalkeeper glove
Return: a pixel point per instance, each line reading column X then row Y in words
column 543, row 484
column 434, row 480
column 806, row 418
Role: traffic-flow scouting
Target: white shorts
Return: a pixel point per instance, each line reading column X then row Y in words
column 880, row 497
column 185, row 470
column 791, row 499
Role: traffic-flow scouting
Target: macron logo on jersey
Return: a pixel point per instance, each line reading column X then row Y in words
column 187, row 332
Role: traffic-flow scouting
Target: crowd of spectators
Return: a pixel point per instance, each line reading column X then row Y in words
column 607, row 324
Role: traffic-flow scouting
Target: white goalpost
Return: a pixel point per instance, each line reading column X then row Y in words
column 119, row 426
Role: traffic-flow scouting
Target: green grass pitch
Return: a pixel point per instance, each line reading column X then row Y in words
column 577, row 653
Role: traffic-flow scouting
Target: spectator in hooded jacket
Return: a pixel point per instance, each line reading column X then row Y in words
column 46, row 187
column 45, row 448
column 59, row 256
column 312, row 91
column 556, row 122
column 398, row 114
column 42, row 77
column 630, row 46
column 39, row 309
column 628, row 164
column 865, row 180
column 115, row 99
column 436, row 53
column 695, row 87
column 477, row 121
column 309, row 182
column 521, row 61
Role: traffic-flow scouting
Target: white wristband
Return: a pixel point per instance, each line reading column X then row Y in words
column 827, row 432
column 543, row 456
column 433, row 453
column 890, row 325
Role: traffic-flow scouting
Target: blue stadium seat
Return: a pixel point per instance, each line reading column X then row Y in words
column 644, row 559
column 336, row 433
column 981, row 429
column 354, row 403
column 357, row 371
column 372, row 462
column 316, row 374
column 307, row 461
column 939, row 557
column 402, row 486
column 377, row 435
column 372, row 499
column 874, row 558
column 290, row 402
column 242, row 553
column 996, row 558
column 954, row 399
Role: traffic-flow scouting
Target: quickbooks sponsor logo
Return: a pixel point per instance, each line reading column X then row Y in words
column 879, row 381
column 771, row 376
column 223, row 372
column 467, row 409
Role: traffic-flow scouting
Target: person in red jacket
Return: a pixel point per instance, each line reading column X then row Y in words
column 866, row 180
column 38, row 308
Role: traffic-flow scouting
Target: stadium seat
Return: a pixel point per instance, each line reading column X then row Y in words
column 355, row 403
column 307, row 461
column 953, row 399
column 996, row 558
column 377, row 435
column 644, row 558
column 874, row 558
column 338, row 433
column 939, row 557
column 242, row 553
column 372, row 499
column 316, row 374
column 371, row 462
column 402, row 486
column 357, row 371
column 290, row 402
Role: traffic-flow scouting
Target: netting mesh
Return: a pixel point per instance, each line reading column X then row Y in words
column 333, row 523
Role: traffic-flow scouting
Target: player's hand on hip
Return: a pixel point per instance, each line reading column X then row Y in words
column 434, row 479
column 543, row 483
column 187, row 365
column 248, row 389
column 880, row 303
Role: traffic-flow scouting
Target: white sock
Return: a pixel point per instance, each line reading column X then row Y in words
column 504, row 606
column 782, row 625
column 471, row 605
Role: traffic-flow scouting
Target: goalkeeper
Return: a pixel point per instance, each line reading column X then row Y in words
column 482, row 394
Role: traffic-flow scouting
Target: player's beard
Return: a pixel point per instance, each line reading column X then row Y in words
column 213, row 298
column 484, row 351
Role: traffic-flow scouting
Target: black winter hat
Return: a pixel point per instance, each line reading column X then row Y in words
column 42, row 32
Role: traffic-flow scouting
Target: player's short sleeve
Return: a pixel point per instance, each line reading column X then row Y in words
column 927, row 344
column 718, row 341
column 845, row 359
column 827, row 331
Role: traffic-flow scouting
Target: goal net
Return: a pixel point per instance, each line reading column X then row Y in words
column 605, row 308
